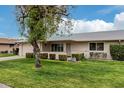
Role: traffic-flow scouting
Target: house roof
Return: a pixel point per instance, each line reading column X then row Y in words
column 88, row 36
column 91, row 36
column 7, row 41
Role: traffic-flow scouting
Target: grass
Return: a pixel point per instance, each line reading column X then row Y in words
column 6, row 55
column 21, row 73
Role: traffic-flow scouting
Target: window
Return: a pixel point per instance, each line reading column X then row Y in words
column 92, row 46
column 97, row 46
column 100, row 46
column 57, row 47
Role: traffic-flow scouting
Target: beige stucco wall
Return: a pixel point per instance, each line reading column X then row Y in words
column 83, row 47
column 80, row 47
column 7, row 44
column 6, row 48
column 76, row 47
column 25, row 48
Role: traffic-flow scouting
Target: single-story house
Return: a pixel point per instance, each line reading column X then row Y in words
column 7, row 45
column 89, row 43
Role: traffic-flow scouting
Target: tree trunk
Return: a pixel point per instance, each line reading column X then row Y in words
column 36, row 51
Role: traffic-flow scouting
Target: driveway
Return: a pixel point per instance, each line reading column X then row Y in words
column 3, row 86
column 10, row 58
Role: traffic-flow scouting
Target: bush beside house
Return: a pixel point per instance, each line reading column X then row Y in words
column 44, row 55
column 117, row 52
column 52, row 56
column 63, row 57
column 29, row 55
column 98, row 55
column 78, row 56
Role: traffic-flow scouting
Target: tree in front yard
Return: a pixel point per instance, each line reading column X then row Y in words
column 38, row 23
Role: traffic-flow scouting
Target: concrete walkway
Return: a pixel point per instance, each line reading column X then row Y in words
column 3, row 86
column 10, row 58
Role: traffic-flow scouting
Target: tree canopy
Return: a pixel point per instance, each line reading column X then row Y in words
column 39, row 23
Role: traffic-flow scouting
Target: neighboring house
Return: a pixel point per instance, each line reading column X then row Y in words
column 7, row 45
column 91, row 43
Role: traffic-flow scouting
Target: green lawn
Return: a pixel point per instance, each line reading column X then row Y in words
column 21, row 73
column 6, row 55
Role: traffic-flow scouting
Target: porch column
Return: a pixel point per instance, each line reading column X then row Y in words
column 41, row 47
column 21, row 49
column 64, row 45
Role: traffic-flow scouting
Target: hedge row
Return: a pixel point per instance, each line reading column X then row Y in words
column 117, row 52
column 44, row 55
column 98, row 55
column 62, row 57
column 29, row 55
column 52, row 56
column 78, row 56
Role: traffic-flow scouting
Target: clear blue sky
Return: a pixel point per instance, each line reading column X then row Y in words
column 8, row 24
column 91, row 12
column 9, row 28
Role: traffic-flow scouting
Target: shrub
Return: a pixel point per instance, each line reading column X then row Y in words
column 82, row 56
column 4, row 52
column 44, row 55
column 98, row 55
column 52, row 56
column 117, row 52
column 29, row 55
column 63, row 57
column 78, row 56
